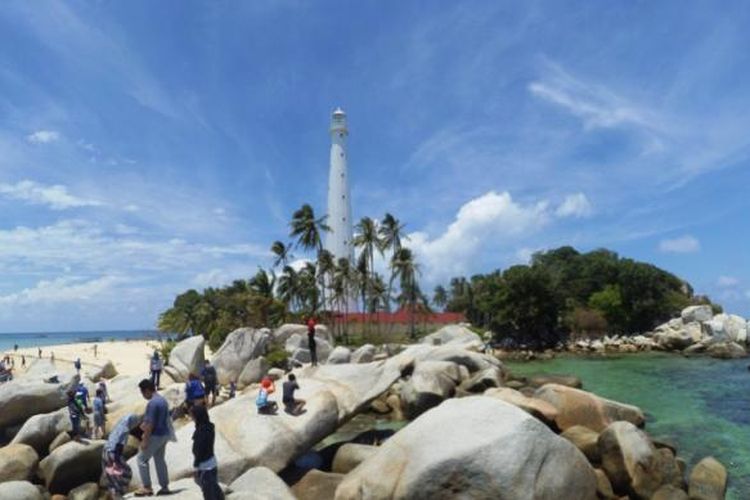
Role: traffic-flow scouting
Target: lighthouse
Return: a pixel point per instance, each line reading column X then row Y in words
column 339, row 238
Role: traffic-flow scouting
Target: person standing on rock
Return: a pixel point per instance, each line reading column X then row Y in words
column 114, row 465
column 195, row 394
column 156, row 429
column 210, row 382
column 77, row 364
column 204, row 460
column 311, row 344
column 75, row 412
column 100, row 410
column 156, row 367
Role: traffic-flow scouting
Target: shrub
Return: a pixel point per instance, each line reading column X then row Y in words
column 277, row 358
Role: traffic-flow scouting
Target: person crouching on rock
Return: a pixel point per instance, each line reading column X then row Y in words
column 204, row 460
column 75, row 412
column 195, row 394
column 114, row 465
column 291, row 405
column 265, row 405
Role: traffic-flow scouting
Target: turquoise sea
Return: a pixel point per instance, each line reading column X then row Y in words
column 700, row 404
column 8, row 340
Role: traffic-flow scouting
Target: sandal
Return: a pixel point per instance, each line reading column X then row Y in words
column 144, row 493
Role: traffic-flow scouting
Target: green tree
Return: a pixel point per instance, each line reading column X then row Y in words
column 440, row 297
column 405, row 269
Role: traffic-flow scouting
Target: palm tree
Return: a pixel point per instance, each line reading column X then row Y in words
column 282, row 253
column 405, row 268
column 391, row 232
column 307, row 229
column 342, row 288
column 289, row 289
column 263, row 283
column 326, row 266
column 369, row 241
column 440, row 298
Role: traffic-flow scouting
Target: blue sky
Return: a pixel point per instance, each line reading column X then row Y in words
column 149, row 147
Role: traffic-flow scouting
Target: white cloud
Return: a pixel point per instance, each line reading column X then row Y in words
column 575, row 205
column 490, row 219
column 55, row 197
column 61, row 290
column 43, row 137
column 683, row 244
column 727, row 281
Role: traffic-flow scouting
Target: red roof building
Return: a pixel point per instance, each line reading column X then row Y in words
column 403, row 317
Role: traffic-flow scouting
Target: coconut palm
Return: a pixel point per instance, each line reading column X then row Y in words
column 440, row 297
column 263, row 283
column 308, row 230
column 282, row 253
column 369, row 241
column 405, row 269
column 391, row 233
column 343, row 278
column 289, row 287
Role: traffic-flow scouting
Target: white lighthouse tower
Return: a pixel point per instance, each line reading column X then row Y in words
column 339, row 238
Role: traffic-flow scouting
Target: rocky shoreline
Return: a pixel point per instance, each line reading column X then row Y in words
column 474, row 429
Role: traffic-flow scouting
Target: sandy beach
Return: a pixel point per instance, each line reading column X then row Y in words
column 130, row 357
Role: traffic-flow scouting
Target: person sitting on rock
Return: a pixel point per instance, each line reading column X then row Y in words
column 265, row 405
column 114, row 464
column 291, row 405
column 195, row 394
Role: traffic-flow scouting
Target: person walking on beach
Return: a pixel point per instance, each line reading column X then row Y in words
column 96, row 351
column 39, row 351
column 204, row 460
column 291, row 405
column 114, row 465
column 311, row 344
column 210, row 382
column 100, row 411
column 156, row 367
column 23, row 361
column 77, row 364
column 75, row 412
column 156, row 434
column 52, row 356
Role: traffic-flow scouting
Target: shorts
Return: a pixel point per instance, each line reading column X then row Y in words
column 212, row 389
column 98, row 420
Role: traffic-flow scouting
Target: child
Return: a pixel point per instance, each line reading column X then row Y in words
column 291, row 405
column 99, row 414
column 75, row 412
column 204, row 461
column 265, row 406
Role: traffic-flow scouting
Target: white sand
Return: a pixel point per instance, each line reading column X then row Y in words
column 130, row 357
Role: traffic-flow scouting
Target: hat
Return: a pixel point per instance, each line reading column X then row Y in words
column 266, row 382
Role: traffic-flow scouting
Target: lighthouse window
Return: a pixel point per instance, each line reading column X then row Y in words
column 342, row 154
column 341, row 134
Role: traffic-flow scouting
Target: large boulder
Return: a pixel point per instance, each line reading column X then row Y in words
column 538, row 408
column 431, row 383
column 86, row 491
column 697, row 313
column 483, row 380
column 566, row 380
column 240, row 346
column 456, row 335
column 20, row 400
column 71, row 465
column 473, row 361
column 97, row 372
column 363, row 354
column 259, row 482
column 339, row 355
column 282, row 333
column 253, row 372
column 577, row 407
column 675, row 340
column 40, row 430
column 585, row 440
column 669, row 492
column 727, row 350
column 18, row 462
column 20, row 490
column 244, row 438
column 350, row 455
column 736, row 328
column 317, row 485
column 188, row 357
column 495, row 451
column 297, row 343
column 708, row 480
column 632, row 463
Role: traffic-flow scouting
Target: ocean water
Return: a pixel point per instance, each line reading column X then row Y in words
column 8, row 340
column 700, row 404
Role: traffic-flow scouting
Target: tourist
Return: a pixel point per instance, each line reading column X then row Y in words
column 194, row 392
column 232, row 389
column 156, row 367
column 96, row 351
column 204, row 460
column 291, row 405
column 39, row 351
column 23, row 361
column 52, row 356
column 156, row 428
column 103, row 387
column 15, row 348
column 210, row 382
column 100, row 410
column 77, row 364
column 311, row 344
column 83, row 393
column 75, row 412
column 266, row 406
column 114, row 464
column 488, row 342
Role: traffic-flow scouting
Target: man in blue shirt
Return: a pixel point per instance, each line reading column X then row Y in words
column 156, row 428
